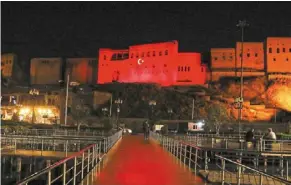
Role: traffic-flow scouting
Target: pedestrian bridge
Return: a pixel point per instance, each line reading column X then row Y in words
column 130, row 160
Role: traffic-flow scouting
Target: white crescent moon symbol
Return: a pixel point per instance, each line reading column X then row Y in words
column 140, row 61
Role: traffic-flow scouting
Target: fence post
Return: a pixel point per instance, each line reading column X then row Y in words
column 93, row 156
column 287, row 169
column 261, row 179
column 181, row 150
column 75, row 171
column 239, row 175
column 206, row 162
column 88, row 165
column 223, row 171
column 49, row 175
column 196, row 159
column 190, row 157
column 64, row 174
column 82, row 173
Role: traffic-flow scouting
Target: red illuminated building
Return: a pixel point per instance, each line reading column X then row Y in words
column 159, row 63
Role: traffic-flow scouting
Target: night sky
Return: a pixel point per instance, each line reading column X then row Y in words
column 79, row 29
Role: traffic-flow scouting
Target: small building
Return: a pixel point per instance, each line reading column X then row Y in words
column 45, row 71
column 253, row 56
column 8, row 62
column 223, row 59
column 82, row 70
column 278, row 54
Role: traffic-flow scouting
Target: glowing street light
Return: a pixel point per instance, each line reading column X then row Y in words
column 170, row 112
column 33, row 93
column 118, row 102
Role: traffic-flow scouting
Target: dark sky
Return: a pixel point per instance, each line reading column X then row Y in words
column 68, row 29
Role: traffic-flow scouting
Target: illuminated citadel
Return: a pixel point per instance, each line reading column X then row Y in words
column 162, row 63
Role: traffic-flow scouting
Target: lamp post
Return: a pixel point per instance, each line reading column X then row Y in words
column 33, row 93
column 241, row 25
column 170, row 112
column 152, row 104
column 118, row 102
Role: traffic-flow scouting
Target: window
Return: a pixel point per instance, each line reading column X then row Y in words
column 154, row 53
column 223, row 57
column 104, row 57
column 215, row 58
column 165, row 65
column 125, row 56
column 278, row 50
column 256, row 54
column 166, row 52
column 154, row 66
column 230, row 57
column 274, row 59
column 287, row 59
column 194, row 127
column 149, row 54
column 270, row 50
column 160, row 53
column 142, row 54
column 182, row 68
column 137, row 55
column 131, row 55
column 248, row 55
column 185, row 68
column 283, row 50
column 240, row 55
column 114, row 56
column 178, row 68
column 188, row 68
column 289, row 50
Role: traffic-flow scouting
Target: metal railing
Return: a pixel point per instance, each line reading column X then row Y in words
column 233, row 142
column 73, row 169
column 55, row 132
column 217, row 168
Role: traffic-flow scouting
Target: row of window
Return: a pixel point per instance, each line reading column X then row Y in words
column 184, row 68
column 287, row 59
column 231, row 57
column 123, row 56
column 6, row 62
column 278, row 50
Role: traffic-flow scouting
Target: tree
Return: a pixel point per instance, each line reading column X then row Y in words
column 217, row 116
column 79, row 111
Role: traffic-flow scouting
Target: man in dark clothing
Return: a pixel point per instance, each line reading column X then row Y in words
column 250, row 137
column 146, row 130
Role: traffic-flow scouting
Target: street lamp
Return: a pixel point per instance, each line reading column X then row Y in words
column 241, row 25
column 34, row 93
column 170, row 112
column 118, row 102
column 152, row 104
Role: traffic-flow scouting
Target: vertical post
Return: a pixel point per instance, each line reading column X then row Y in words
column 82, row 171
column 206, row 161
column 88, row 165
column 93, row 156
column 64, row 173
column 181, row 151
column 67, row 94
column 110, row 109
column 261, row 179
column 49, row 176
column 185, row 154
column 287, row 170
column 223, row 171
column 282, row 166
column 239, row 175
column 75, row 171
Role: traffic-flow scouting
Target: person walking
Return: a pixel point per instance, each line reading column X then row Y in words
column 146, row 130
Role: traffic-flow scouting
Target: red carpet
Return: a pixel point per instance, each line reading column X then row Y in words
column 137, row 162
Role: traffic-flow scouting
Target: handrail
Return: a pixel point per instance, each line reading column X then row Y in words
column 196, row 158
column 93, row 158
column 254, row 170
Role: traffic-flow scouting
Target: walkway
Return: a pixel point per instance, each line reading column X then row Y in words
column 137, row 162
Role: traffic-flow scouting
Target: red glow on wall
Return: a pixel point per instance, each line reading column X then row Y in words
column 159, row 63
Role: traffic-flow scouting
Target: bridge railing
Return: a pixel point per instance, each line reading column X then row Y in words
column 56, row 132
column 233, row 142
column 217, row 168
column 73, row 169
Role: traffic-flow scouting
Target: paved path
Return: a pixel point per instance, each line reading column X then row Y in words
column 137, row 162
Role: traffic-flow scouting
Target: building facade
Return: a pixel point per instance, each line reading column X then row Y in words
column 223, row 59
column 253, row 56
column 278, row 54
column 45, row 71
column 82, row 70
column 8, row 62
column 159, row 63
